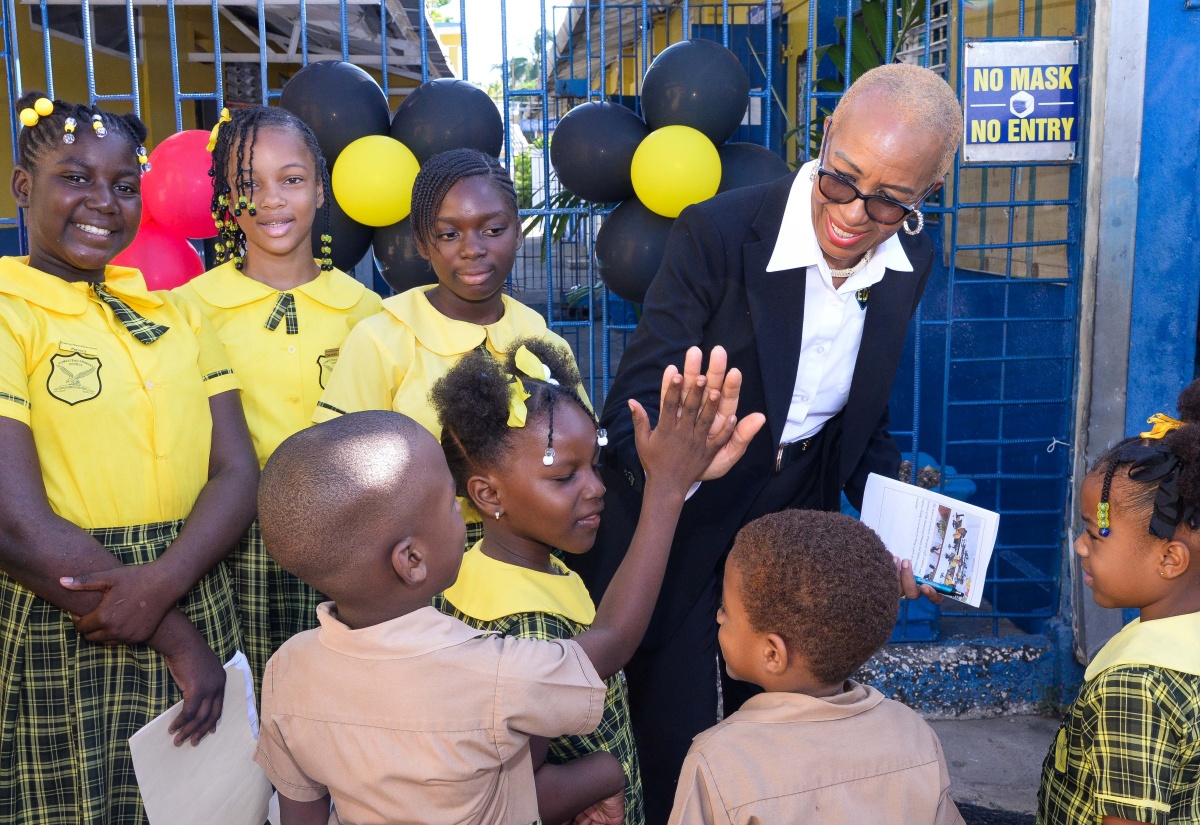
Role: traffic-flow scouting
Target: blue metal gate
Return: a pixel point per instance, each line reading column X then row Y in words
column 985, row 393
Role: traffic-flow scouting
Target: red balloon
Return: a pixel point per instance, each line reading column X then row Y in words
column 165, row 259
column 177, row 191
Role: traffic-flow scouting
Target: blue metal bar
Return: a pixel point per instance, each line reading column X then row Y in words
column 12, row 65
column 342, row 19
column 89, row 57
column 45, row 48
column 383, row 51
column 462, row 37
column 304, row 33
column 131, row 27
column 262, row 52
column 424, row 32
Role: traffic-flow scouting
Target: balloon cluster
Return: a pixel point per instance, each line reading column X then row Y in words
column 694, row 97
column 374, row 156
column 176, row 193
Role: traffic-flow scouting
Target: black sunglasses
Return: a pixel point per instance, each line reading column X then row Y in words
column 880, row 208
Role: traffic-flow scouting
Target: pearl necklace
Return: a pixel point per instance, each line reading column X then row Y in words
column 846, row 273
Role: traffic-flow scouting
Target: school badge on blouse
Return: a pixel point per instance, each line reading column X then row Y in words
column 862, row 296
column 74, row 378
column 326, row 363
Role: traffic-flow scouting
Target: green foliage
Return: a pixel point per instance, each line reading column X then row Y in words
column 868, row 49
column 522, row 171
column 434, row 9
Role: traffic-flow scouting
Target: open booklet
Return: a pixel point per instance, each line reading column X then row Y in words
column 215, row 781
column 949, row 542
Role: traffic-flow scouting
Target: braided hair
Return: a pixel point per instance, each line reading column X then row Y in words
column 35, row 143
column 471, row 402
column 234, row 153
column 441, row 172
column 1163, row 473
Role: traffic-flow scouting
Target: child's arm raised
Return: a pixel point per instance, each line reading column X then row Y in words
column 674, row 454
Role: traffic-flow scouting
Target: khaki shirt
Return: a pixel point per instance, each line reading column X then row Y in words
column 788, row 757
column 420, row 719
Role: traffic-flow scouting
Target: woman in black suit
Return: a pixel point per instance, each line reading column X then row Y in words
column 809, row 285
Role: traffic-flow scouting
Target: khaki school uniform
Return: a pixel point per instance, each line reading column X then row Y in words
column 123, row 434
column 419, row 719
column 391, row 361
column 788, row 757
column 515, row 601
column 283, row 346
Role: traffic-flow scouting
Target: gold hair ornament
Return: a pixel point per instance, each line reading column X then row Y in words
column 42, row 107
column 212, row 136
column 1161, row 425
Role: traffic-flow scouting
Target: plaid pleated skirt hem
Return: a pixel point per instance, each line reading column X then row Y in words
column 272, row 604
column 70, row 706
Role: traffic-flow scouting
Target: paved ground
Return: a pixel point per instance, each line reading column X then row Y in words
column 995, row 765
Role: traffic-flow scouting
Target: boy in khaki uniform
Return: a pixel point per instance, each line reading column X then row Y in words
column 809, row 597
column 396, row 712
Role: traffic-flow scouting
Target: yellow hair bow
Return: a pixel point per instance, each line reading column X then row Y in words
column 212, row 137
column 532, row 366
column 1163, row 424
column 517, row 411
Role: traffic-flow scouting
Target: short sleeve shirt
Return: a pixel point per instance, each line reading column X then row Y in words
column 419, row 719
column 283, row 373
column 391, row 361
column 123, row 429
column 1130, row 744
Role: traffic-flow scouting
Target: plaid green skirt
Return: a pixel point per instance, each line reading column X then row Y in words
column 69, row 706
column 272, row 604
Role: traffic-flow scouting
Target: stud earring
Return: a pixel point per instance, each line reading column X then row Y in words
column 920, row 223
column 497, row 515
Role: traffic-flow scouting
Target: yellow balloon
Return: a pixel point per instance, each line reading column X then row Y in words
column 373, row 179
column 674, row 167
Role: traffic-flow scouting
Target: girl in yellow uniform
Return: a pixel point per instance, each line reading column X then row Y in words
column 119, row 419
column 465, row 223
column 282, row 317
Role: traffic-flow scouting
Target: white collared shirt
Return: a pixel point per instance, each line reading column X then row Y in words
column 833, row 317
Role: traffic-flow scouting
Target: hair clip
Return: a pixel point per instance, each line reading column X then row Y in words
column 548, row 458
column 212, row 136
column 144, row 160
column 1162, row 424
column 69, row 130
column 42, row 107
column 601, row 437
column 98, row 126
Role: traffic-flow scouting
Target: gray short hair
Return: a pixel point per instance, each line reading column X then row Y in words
column 920, row 97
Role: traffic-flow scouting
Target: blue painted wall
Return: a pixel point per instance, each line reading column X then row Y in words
column 1166, row 287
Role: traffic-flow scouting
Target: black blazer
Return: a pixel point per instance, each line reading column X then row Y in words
column 713, row 288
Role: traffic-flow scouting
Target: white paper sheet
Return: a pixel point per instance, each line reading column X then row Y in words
column 949, row 542
column 215, row 781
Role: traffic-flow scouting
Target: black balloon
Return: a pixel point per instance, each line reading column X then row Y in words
column 340, row 103
column 696, row 83
column 398, row 260
column 630, row 247
column 448, row 114
column 351, row 239
column 593, row 148
column 748, row 164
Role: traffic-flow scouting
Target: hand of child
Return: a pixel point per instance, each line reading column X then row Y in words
column 909, row 589
column 201, row 679
column 731, row 386
column 609, row 811
column 678, row 450
column 131, row 609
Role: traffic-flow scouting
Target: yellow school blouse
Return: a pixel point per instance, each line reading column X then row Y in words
column 123, row 429
column 283, row 375
column 391, row 361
